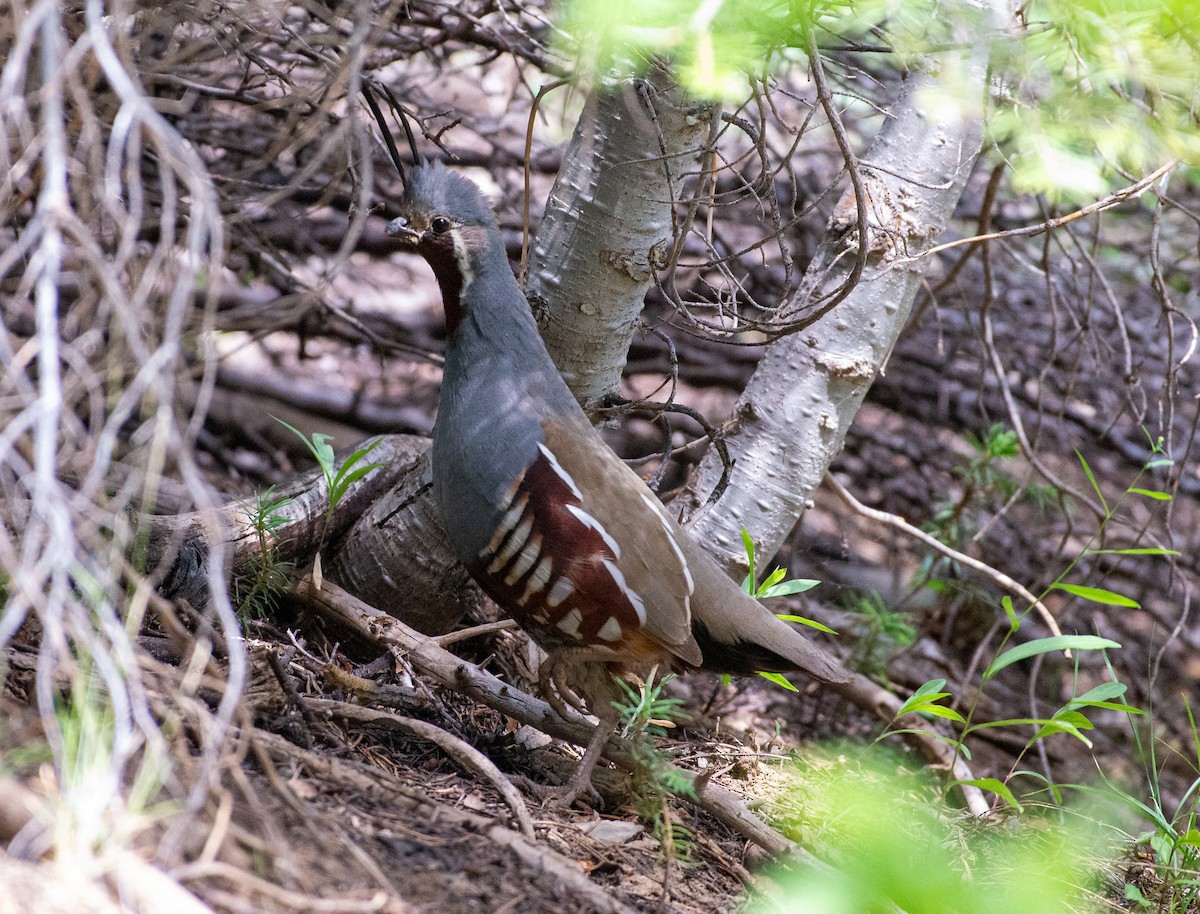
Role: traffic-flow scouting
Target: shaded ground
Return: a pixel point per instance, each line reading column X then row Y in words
column 318, row 815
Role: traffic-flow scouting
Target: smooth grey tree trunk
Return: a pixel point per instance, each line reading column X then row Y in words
column 792, row 418
column 608, row 222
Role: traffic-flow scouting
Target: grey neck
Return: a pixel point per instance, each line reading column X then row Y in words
column 498, row 338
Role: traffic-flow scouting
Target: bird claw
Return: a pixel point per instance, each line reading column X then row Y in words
column 552, row 684
column 566, row 795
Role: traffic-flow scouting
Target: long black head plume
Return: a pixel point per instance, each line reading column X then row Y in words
column 402, row 116
column 398, row 110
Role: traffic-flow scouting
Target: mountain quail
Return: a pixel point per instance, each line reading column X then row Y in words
column 548, row 520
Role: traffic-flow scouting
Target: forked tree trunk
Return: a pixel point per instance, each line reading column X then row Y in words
column 792, row 418
column 607, row 222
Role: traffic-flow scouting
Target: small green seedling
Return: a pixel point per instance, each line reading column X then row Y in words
column 645, row 713
column 774, row 585
column 257, row 590
column 337, row 480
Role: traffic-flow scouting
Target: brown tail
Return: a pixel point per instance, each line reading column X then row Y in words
column 737, row 634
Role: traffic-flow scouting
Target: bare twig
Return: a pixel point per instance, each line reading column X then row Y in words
column 533, row 110
column 1117, row 197
column 899, row 523
column 475, row 631
column 459, row 750
column 247, row 882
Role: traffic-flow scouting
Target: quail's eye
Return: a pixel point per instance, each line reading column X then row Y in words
column 440, row 225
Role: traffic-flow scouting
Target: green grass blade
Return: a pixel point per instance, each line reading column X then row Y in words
column 1097, row 595
column 779, row 680
column 1046, row 646
column 812, row 623
column 1147, row 550
column 1092, row 479
column 1153, row 494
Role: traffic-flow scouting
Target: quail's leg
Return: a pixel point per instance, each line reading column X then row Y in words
column 553, row 687
column 590, row 664
column 581, row 782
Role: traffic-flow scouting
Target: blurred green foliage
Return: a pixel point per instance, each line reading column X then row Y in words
column 894, row 843
column 1083, row 89
column 1097, row 85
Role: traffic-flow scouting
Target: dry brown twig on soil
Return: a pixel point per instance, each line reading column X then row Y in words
column 554, row 868
column 459, row 750
column 455, row 673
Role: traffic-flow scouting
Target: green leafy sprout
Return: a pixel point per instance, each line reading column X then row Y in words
column 1173, row 838
column 774, row 585
column 338, row 480
column 984, row 478
column 879, row 629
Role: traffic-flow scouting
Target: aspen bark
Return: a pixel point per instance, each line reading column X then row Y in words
column 608, row 222
column 792, row 418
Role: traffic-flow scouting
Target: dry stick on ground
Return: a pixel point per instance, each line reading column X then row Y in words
column 465, row 634
column 246, row 883
column 541, row 860
column 459, row 750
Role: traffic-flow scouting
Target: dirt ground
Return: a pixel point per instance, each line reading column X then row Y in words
column 315, row 814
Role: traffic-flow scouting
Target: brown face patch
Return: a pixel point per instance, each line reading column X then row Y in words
column 438, row 251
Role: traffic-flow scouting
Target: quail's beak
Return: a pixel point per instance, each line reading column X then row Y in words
column 399, row 228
